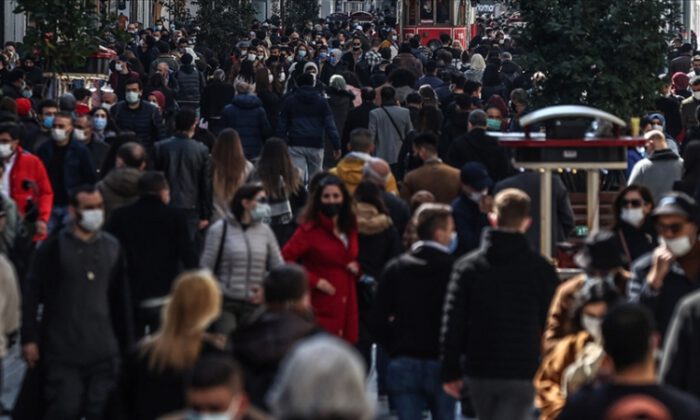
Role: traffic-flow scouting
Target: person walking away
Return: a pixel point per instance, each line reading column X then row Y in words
column 191, row 83
column 407, row 317
column 79, row 267
column 442, row 180
column 661, row 169
column 230, row 170
column 246, row 115
column 504, row 283
column 470, row 209
column 389, row 125
column 187, row 166
column 120, row 186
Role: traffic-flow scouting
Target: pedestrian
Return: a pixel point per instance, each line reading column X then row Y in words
column 156, row 246
column 661, row 169
column 389, row 125
column 633, row 224
column 435, row 176
column 216, row 95
column 499, row 361
column 246, row 115
column 326, row 244
column 379, row 172
column 9, row 313
column 191, row 83
column 341, row 102
column 230, row 170
column 153, row 377
column 240, row 249
column 120, row 186
column 187, row 166
column 83, row 131
column 407, row 317
column 471, row 207
column 78, row 349
column 628, row 341
column 135, row 114
column 271, row 100
column 358, row 117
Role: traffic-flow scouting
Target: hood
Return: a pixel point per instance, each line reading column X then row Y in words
column 340, row 92
column 510, row 67
column 307, row 94
column 664, row 154
column 370, row 221
column 247, row 101
column 187, row 68
column 350, row 168
column 123, row 182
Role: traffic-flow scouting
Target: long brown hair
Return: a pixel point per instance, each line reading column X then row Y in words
column 346, row 218
column 228, row 165
column 278, row 175
column 195, row 302
column 262, row 80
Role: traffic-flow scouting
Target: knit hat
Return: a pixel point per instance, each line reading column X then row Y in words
column 680, row 81
column 310, row 64
column 24, row 105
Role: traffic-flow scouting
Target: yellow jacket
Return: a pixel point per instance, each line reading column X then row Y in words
column 349, row 170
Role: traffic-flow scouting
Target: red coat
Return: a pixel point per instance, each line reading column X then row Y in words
column 324, row 256
column 30, row 168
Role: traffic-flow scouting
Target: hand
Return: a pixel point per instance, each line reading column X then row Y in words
column 336, row 154
column 257, row 295
column 202, row 224
column 453, row 389
column 354, row 268
column 41, row 227
column 661, row 260
column 30, row 353
column 326, row 287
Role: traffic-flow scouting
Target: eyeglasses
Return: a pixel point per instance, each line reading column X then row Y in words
column 634, row 203
column 673, row 228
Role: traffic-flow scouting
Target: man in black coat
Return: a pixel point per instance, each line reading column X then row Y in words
column 137, row 115
column 358, row 117
column 476, row 146
column 495, row 312
column 157, row 247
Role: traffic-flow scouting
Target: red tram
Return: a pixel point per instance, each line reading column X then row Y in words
column 430, row 18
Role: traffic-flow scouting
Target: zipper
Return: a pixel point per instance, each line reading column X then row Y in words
column 249, row 264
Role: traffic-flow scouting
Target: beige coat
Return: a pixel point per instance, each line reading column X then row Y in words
column 9, row 303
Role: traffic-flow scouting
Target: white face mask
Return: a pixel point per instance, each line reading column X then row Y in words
column 283, row 77
column 91, row 220
column 593, row 325
column 696, row 96
column 118, row 67
column 58, row 134
column 79, row 134
column 657, row 127
column 252, row 57
column 477, row 196
column 634, row 217
column 5, row 150
column 271, row 78
column 678, row 246
column 132, row 97
column 106, row 106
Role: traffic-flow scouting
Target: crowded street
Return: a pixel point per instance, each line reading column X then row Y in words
column 349, row 210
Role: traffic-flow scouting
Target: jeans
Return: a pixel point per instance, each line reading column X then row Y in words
column 72, row 391
column 309, row 160
column 502, row 399
column 414, row 385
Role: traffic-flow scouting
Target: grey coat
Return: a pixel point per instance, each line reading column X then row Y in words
column 658, row 172
column 387, row 137
column 246, row 257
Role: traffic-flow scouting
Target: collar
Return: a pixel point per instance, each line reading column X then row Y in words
column 433, row 159
column 429, row 244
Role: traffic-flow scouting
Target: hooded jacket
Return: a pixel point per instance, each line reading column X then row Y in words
column 304, row 119
column 350, row 171
column 191, row 83
column 477, row 146
column 246, row 115
column 119, row 188
column 658, row 172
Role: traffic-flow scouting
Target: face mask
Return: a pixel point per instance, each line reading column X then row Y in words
column 261, row 57
column 58, row 134
column 356, row 48
column 106, row 106
column 261, row 212
column 48, row 122
column 454, row 241
column 323, row 56
column 696, row 96
column 99, row 123
column 155, row 104
column 394, row 37
column 252, row 57
column 330, row 210
column 91, row 220
column 5, row 150
column 283, row 77
column 634, row 217
column 334, row 60
column 118, row 67
column 476, row 196
column 290, row 58
column 679, row 246
column 493, row 124
column 271, row 78
column 302, row 53
column 79, row 134
column 593, row 325
column 657, row 127
column 27, row 93
column 132, row 97
column 209, row 416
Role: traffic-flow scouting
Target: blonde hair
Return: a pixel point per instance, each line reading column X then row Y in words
column 477, row 62
column 195, row 302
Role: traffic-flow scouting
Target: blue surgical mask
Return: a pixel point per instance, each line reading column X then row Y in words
column 48, row 122
column 493, row 124
column 260, row 213
column 99, row 123
column 454, row 241
column 334, row 60
column 302, row 53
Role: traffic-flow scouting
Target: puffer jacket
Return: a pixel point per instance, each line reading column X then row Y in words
column 305, row 117
column 350, row 171
column 247, row 255
column 191, row 83
column 119, row 188
column 246, row 115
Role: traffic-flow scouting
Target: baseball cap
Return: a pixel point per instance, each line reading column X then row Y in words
column 475, row 175
column 677, row 204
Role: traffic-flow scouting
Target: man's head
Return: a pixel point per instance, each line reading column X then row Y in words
column 9, row 139
column 478, row 120
column 425, row 145
column 518, row 98
column 368, row 94
column 87, row 208
column 511, row 211
column 16, row 77
column 153, row 183
column 676, row 220
column 695, row 87
column 82, row 128
column 109, row 99
column 655, row 140
column 434, row 223
column 414, row 100
column 377, row 171
column 47, row 111
column 306, row 79
column 134, row 90
column 131, row 155
column 472, row 88
column 388, row 96
column 628, row 337
column 62, row 128
column 286, row 287
column 475, row 180
column 164, row 70
column 696, row 65
column 361, row 140
column 215, row 388
column 601, row 254
column 431, row 67
column 186, row 122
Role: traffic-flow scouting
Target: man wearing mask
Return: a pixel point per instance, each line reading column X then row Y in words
column 472, row 206
column 120, row 76
column 78, row 277
column 661, row 278
column 135, row 114
column 25, row 178
column 215, row 391
column 690, row 104
column 14, row 84
column 187, row 166
column 68, row 164
column 84, row 133
column 45, row 114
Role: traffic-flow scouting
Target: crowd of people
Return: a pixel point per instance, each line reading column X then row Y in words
column 249, row 230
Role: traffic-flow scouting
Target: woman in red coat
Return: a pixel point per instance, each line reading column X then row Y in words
column 326, row 245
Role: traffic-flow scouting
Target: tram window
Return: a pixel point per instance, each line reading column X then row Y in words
column 427, row 11
column 443, row 11
column 411, row 12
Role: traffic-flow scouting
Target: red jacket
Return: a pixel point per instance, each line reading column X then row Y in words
column 324, row 256
column 28, row 167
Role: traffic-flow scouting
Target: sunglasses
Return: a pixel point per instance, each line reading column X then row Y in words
column 634, row 203
column 674, row 228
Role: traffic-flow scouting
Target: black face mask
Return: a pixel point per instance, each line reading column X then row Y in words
column 331, row 210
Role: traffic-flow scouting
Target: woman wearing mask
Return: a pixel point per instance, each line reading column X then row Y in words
column 271, row 101
column 633, row 226
column 240, row 249
column 476, row 68
column 153, row 376
column 283, row 185
column 326, row 244
column 104, row 127
column 576, row 359
column 495, row 120
column 230, row 169
column 279, row 78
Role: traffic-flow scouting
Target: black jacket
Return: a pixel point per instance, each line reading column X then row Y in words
column 156, row 244
column 145, row 121
column 680, row 366
column 408, row 309
column 496, row 309
column 634, row 241
column 215, row 97
column 357, row 118
column 399, row 211
column 187, row 165
column 477, row 146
